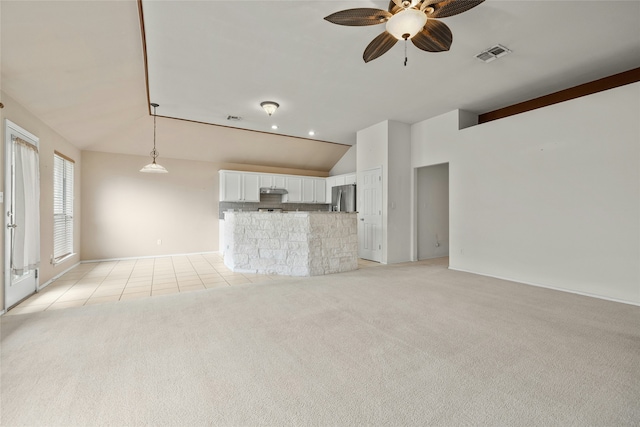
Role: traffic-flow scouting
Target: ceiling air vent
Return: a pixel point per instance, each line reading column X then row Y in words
column 493, row 53
column 234, row 118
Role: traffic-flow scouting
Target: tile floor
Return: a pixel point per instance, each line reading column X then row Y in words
column 108, row 281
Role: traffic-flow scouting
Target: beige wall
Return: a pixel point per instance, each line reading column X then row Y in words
column 126, row 212
column 50, row 141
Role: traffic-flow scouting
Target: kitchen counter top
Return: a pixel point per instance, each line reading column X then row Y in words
column 296, row 243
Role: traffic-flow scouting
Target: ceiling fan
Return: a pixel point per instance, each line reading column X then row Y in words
column 406, row 19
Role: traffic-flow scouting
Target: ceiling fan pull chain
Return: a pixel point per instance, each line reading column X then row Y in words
column 405, row 52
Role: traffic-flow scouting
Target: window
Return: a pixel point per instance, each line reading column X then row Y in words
column 62, row 207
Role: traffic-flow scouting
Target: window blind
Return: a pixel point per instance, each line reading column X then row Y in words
column 62, row 207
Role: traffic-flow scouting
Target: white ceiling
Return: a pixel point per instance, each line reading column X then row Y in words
column 79, row 66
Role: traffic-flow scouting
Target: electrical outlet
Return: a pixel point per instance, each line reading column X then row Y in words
column 159, row 242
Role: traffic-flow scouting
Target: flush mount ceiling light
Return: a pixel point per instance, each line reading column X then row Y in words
column 153, row 167
column 413, row 20
column 269, row 106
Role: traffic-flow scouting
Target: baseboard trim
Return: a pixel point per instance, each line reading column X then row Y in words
column 56, row 277
column 538, row 285
column 87, row 261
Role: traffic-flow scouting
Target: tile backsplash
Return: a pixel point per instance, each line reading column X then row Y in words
column 271, row 201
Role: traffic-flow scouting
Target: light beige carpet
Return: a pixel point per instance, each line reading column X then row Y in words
column 414, row 344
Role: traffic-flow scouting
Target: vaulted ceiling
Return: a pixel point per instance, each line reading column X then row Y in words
column 80, row 67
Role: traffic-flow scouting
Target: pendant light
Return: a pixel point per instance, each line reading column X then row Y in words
column 153, row 167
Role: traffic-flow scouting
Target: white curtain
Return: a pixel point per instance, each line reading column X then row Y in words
column 25, row 255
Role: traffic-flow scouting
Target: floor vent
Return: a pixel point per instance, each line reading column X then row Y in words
column 493, row 53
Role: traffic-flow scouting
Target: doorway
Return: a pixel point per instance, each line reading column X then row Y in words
column 22, row 214
column 433, row 211
column 370, row 214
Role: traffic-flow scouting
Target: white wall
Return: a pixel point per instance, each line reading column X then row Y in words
column 433, row 211
column 399, row 193
column 548, row 197
column 372, row 153
column 388, row 144
column 347, row 164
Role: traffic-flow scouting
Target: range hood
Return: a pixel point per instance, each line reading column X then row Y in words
column 273, row 190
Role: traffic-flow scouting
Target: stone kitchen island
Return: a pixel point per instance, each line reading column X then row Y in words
column 291, row 243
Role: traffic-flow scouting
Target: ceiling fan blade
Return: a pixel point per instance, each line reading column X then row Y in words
column 394, row 7
column 379, row 46
column 447, row 8
column 434, row 37
column 359, row 17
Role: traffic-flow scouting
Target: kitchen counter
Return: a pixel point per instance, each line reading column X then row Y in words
column 291, row 243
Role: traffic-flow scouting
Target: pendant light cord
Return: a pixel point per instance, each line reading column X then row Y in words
column 154, row 153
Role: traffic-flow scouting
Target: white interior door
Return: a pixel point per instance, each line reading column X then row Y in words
column 370, row 214
column 22, row 214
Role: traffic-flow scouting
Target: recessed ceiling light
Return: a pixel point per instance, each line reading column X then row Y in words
column 311, row 133
column 274, row 127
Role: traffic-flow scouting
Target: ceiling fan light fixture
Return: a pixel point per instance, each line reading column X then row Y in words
column 406, row 23
column 269, row 106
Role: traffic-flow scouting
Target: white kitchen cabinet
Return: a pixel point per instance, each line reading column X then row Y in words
column 314, row 190
column 250, row 188
column 332, row 181
column 266, row 181
column 321, row 191
column 236, row 186
column 329, row 183
column 350, row 179
column 308, row 190
column 294, row 190
column 239, row 187
column 270, row 180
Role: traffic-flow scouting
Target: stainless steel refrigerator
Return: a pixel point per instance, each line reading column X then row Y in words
column 343, row 198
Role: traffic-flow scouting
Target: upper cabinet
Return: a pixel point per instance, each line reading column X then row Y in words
column 314, row 190
column 272, row 181
column 350, row 178
column 239, row 187
column 320, row 190
column 308, row 190
column 293, row 184
column 303, row 189
column 332, row 181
